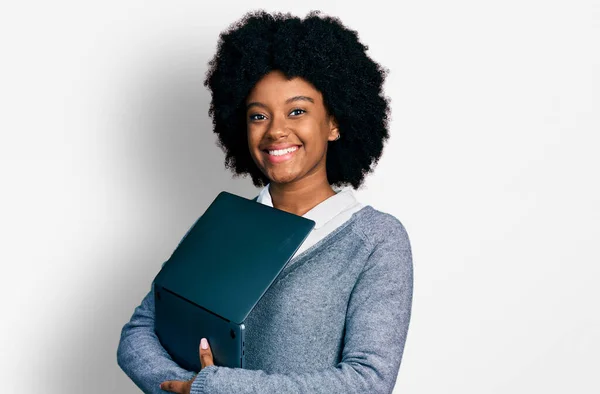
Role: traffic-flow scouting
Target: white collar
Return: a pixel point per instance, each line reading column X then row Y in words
column 325, row 210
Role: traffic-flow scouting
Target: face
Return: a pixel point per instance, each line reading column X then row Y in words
column 288, row 129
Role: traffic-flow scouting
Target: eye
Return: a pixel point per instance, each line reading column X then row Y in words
column 298, row 111
column 256, row 117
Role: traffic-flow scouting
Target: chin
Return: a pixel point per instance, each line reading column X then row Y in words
column 281, row 178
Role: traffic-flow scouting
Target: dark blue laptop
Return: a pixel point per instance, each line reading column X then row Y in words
column 217, row 274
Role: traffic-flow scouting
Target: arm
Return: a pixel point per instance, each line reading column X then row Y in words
column 140, row 354
column 377, row 321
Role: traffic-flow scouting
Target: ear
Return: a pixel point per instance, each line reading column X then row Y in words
column 333, row 128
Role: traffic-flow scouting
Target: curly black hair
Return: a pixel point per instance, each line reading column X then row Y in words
column 323, row 52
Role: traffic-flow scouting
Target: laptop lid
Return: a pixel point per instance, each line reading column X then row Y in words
column 232, row 254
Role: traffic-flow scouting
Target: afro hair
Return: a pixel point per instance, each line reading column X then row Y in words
column 323, row 52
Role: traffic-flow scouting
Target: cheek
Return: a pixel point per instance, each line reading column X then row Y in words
column 314, row 138
column 253, row 139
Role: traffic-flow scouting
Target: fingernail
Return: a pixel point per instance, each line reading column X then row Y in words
column 204, row 344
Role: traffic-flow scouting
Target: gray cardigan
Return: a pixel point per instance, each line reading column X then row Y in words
column 334, row 321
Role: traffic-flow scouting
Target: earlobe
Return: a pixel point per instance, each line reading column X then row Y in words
column 335, row 134
column 334, row 131
column 333, row 127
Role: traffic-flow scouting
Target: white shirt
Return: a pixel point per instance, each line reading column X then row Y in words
column 327, row 215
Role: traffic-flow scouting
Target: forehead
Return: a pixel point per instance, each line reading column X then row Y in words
column 276, row 88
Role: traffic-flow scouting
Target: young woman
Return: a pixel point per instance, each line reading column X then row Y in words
column 297, row 104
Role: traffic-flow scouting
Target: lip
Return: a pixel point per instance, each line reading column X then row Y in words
column 282, row 158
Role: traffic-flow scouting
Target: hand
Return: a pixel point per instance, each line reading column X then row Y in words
column 184, row 387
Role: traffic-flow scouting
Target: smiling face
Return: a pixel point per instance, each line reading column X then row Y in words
column 288, row 128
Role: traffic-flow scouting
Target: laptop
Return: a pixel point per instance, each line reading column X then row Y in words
column 218, row 273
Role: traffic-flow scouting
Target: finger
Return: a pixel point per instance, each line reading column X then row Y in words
column 174, row 386
column 206, row 357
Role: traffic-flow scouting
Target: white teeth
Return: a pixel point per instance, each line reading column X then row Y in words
column 282, row 151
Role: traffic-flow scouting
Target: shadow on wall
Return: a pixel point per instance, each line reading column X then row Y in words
column 165, row 155
column 173, row 146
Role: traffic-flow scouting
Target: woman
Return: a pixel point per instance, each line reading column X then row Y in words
column 298, row 105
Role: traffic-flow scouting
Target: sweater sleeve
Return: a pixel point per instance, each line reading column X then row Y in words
column 377, row 321
column 140, row 353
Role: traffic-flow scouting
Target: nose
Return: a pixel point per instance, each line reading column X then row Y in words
column 277, row 128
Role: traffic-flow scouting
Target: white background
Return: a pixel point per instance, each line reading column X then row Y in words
column 108, row 157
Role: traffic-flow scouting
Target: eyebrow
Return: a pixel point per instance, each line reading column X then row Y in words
column 291, row 99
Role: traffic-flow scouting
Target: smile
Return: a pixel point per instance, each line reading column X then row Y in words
column 278, row 156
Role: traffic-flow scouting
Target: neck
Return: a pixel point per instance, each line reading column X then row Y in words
column 299, row 197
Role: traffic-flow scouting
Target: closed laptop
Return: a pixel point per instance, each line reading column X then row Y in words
column 217, row 274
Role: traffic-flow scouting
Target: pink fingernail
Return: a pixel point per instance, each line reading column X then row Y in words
column 204, row 344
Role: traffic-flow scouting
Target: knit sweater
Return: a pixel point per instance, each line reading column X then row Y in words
column 334, row 321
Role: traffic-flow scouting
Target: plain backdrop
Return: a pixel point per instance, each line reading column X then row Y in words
column 108, row 157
